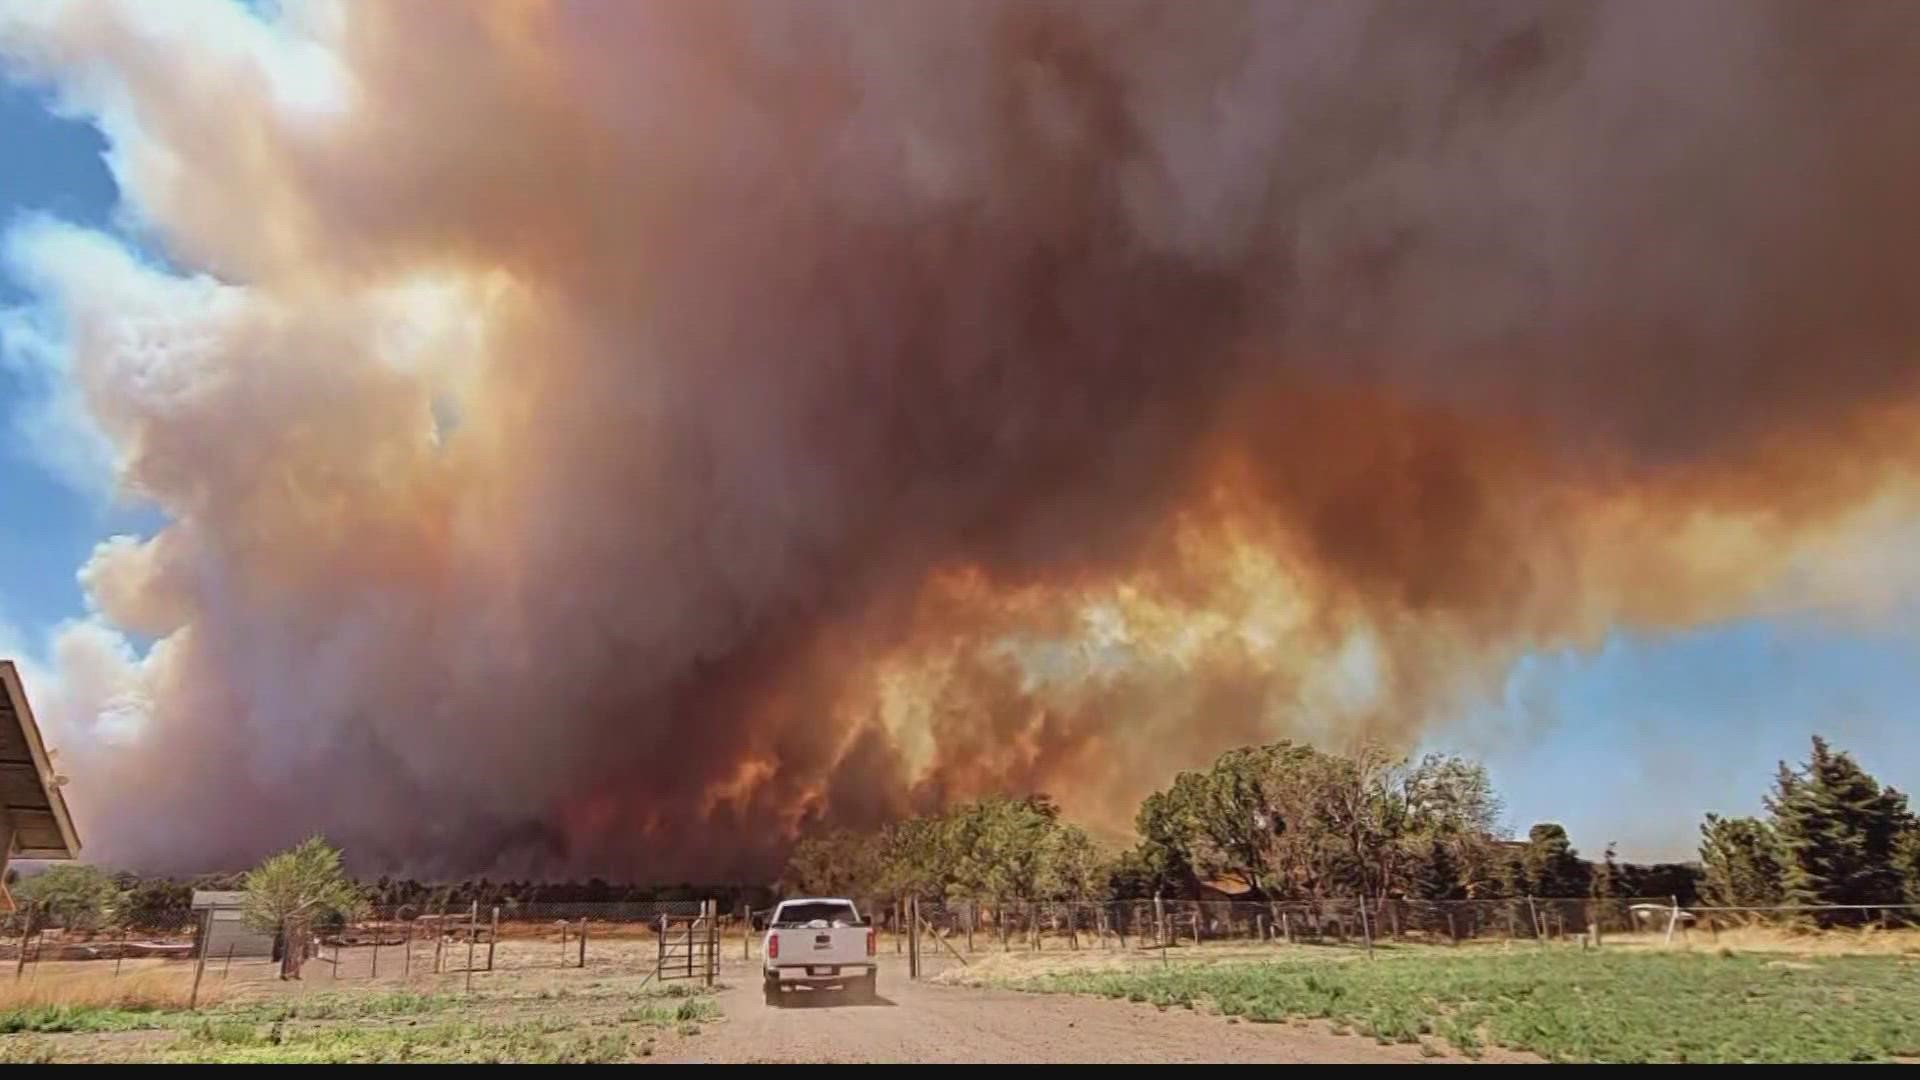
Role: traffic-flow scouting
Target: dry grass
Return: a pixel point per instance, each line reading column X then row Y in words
column 1866, row 941
column 992, row 967
column 93, row 985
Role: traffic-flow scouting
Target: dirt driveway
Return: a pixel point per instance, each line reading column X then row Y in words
column 917, row 1022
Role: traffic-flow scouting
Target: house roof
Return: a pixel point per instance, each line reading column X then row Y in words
column 42, row 828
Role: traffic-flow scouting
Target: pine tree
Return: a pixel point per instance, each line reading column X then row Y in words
column 1838, row 829
column 1906, row 860
column 1740, row 860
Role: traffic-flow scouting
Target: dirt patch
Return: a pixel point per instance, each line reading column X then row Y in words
column 918, row 1022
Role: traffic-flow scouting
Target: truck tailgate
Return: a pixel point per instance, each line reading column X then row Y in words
column 811, row 948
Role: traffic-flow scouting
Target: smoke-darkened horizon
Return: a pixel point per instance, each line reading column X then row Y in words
column 621, row 436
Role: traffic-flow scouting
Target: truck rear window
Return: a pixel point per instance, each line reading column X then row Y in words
column 791, row 916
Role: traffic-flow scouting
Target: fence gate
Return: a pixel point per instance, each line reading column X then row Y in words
column 690, row 945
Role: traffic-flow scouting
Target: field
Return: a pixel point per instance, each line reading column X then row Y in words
column 1768, row 1003
column 1754, row 998
column 531, row 1010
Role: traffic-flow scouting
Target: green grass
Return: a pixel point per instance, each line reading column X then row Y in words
column 59, row 1018
column 342, row 1007
column 397, row 1026
column 298, row 1032
column 1566, row 1005
column 686, row 1010
column 536, row 1042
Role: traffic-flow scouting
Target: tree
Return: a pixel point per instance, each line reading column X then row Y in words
column 1906, row 860
column 1740, row 862
column 1607, row 880
column 292, row 890
column 835, row 864
column 1439, row 875
column 1550, row 865
column 1838, row 829
column 154, row 903
column 73, row 896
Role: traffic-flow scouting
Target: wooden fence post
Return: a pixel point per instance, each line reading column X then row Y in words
column 406, row 965
column 583, row 942
column 1366, row 930
column 200, row 962
column 493, row 936
column 122, row 954
column 26, row 931
column 1286, row 927
column 913, row 937
column 376, row 950
column 473, row 936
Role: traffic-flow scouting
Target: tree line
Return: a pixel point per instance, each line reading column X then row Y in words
column 1282, row 821
column 90, row 897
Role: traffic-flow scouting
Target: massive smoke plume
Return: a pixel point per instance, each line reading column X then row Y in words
column 617, row 436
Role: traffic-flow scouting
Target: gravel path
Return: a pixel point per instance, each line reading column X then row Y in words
column 917, row 1022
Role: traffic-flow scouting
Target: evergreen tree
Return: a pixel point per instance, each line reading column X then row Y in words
column 1740, row 858
column 1906, row 860
column 1838, row 829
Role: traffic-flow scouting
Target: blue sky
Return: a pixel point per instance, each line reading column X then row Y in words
column 48, row 166
column 1631, row 743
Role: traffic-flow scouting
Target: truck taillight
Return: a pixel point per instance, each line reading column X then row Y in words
column 869, row 941
column 773, row 946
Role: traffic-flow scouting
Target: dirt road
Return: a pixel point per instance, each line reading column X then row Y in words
column 916, row 1022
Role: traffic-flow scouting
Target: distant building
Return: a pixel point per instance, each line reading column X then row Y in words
column 34, row 823
column 228, row 929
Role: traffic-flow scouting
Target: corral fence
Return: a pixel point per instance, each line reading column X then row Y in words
column 388, row 943
column 446, row 946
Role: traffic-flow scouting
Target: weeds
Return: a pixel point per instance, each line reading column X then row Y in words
column 1571, row 1006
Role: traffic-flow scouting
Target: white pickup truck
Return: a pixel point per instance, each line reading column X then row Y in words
column 817, row 943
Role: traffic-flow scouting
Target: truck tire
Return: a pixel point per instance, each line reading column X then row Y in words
column 868, row 990
column 772, row 987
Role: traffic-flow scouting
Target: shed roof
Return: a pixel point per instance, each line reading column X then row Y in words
column 42, row 828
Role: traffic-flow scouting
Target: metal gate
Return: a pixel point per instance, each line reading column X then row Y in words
column 690, row 945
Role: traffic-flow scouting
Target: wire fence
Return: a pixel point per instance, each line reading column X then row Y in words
column 447, row 947
column 1004, row 926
